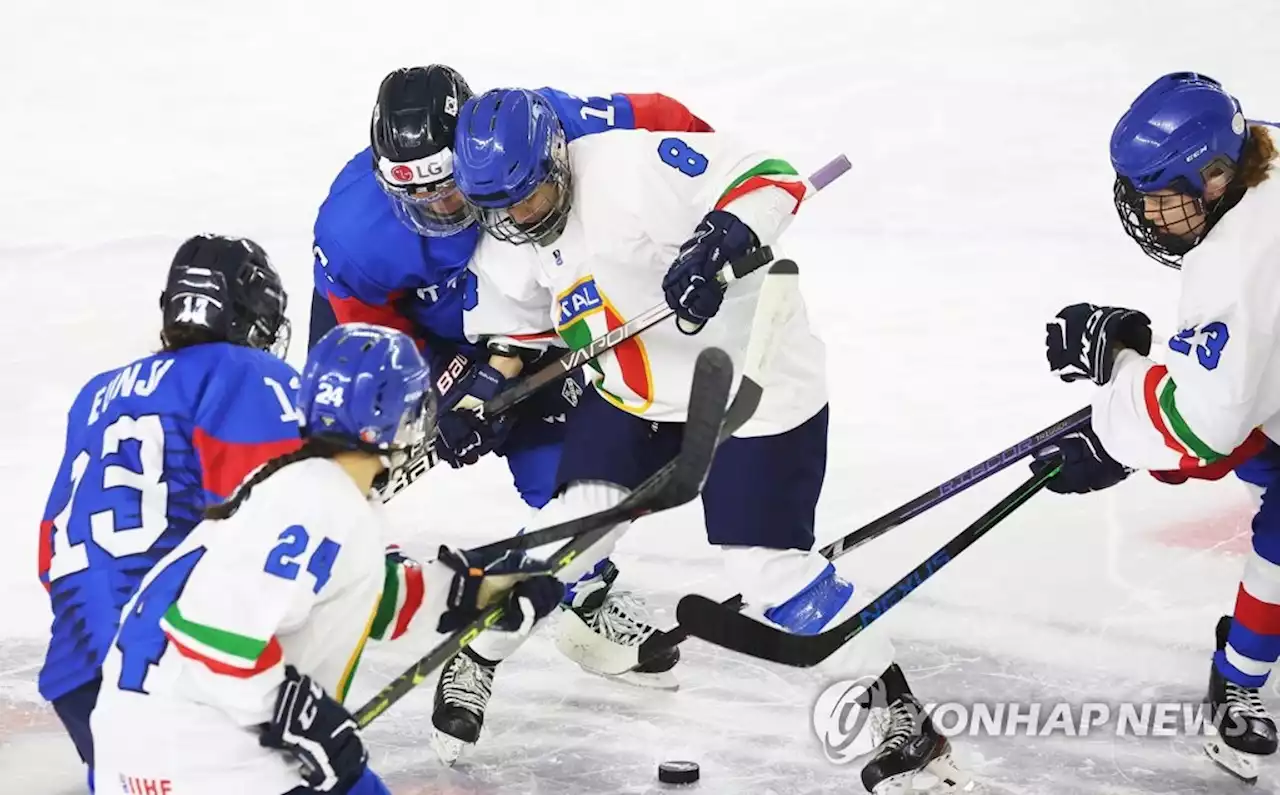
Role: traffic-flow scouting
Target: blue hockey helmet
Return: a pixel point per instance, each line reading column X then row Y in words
column 1182, row 131
column 512, row 165
column 367, row 388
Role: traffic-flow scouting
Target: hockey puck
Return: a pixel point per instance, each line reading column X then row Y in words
column 678, row 772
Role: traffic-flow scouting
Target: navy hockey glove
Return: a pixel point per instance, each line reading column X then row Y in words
column 462, row 435
column 1082, row 340
column 690, row 286
column 319, row 731
column 481, row 580
column 1086, row 466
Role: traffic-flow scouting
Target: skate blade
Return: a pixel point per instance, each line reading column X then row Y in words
column 659, row 681
column 939, row 777
column 1241, row 765
column 448, row 748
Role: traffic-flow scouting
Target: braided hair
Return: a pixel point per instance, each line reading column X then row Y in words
column 313, row 447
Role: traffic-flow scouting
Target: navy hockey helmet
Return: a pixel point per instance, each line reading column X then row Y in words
column 412, row 132
column 225, row 289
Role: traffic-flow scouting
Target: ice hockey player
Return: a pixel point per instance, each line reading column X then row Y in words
column 612, row 225
column 232, row 661
column 392, row 241
column 1193, row 189
column 149, row 445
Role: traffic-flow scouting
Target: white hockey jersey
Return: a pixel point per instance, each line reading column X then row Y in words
column 637, row 197
column 296, row 576
column 1221, row 379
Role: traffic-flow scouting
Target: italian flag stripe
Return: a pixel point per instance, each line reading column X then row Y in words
column 796, row 189
column 385, row 612
column 771, row 167
column 413, row 589
column 402, row 590
column 228, row 647
column 538, row 337
column 631, row 359
column 1160, row 395
column 769, row 173
column 270, row 657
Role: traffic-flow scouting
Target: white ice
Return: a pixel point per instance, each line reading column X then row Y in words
column 979, row 204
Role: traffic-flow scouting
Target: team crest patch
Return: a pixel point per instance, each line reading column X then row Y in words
column 571, row 391
column 580, row 300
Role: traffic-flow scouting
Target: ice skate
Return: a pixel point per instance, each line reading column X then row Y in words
column 912, row 756
column 601, row 630
column 462, row 693
column 1246, row 732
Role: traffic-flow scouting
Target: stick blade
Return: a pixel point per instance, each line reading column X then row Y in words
column 724, row 626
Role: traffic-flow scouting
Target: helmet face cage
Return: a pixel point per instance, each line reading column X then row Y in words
column 417, row 425
column 1166, row 226
column 260, row 321
column 553, row 197
column 425, row 208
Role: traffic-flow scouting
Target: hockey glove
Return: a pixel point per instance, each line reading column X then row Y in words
column 1082, row 340
column 690, row 286
column 482, row 580
column 1086, row 466
column 463, row 436
column 319, row 731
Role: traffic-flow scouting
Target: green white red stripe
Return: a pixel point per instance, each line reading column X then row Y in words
column 221, row 651
column 1160, row 393
column 402, row 591
column 772, row 173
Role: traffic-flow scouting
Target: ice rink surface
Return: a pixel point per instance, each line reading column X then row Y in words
column 978, row 205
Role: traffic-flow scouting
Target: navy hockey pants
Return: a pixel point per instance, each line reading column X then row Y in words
column 761, row 491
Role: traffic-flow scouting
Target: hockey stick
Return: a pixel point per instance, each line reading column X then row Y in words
column 712, row 380
column 664, row 639
column 423, row 455
column 731, row 629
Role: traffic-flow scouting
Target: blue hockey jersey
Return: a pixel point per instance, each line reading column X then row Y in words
column 148, row 447
column 374, row 269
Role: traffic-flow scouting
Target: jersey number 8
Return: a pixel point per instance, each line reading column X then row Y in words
column 682, row 157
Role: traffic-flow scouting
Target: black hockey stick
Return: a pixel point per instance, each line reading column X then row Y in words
column 673, row 485
column 665, row 639
column 729, row 628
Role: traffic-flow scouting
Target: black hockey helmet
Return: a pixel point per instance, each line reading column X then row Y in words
column 412, row 136
column 224, row 289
